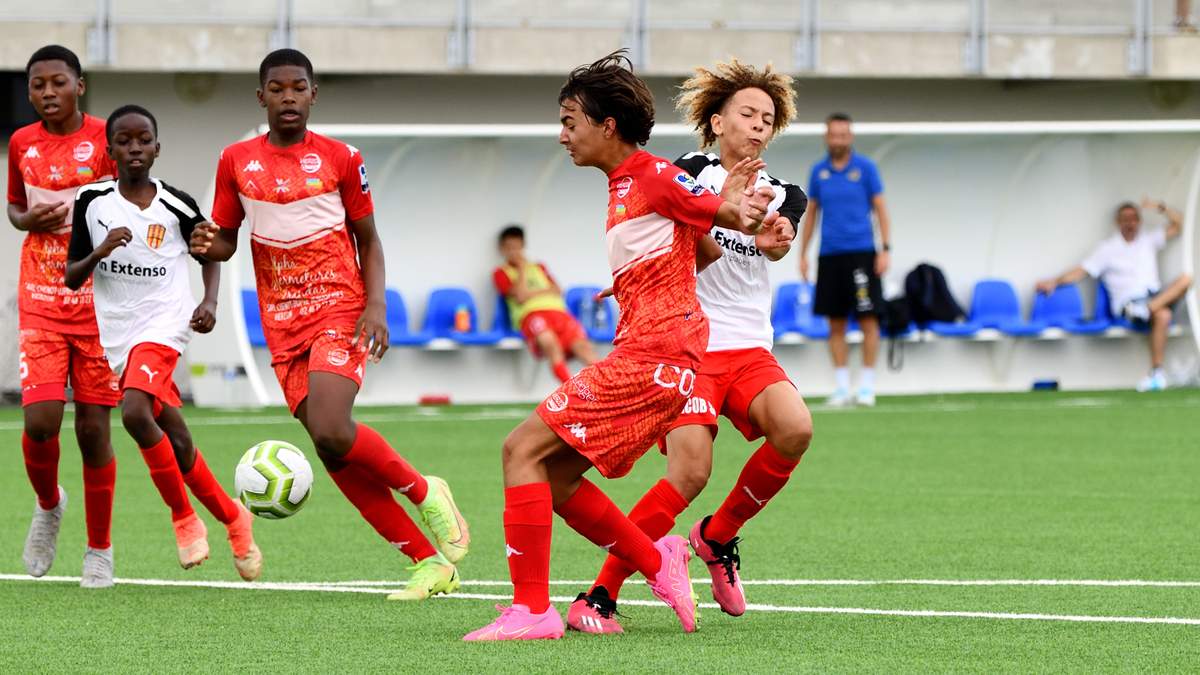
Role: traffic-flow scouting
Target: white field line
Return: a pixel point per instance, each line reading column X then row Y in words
column 333, row 587
column 442, row 415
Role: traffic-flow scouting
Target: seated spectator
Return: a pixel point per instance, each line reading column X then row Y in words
column 1127, row 264
column 535, row 304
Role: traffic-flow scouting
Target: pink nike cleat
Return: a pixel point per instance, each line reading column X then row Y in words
column 723, row 564
column 593, row 613
column 672, row 584
column 518, row 623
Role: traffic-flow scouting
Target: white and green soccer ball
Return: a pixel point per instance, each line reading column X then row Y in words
column 273, row 479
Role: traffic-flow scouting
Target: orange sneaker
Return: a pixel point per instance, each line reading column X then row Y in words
column 192, row 539
column 246, row 556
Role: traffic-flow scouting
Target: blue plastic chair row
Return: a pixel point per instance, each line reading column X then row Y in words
column 994, row 305
column 441, row 314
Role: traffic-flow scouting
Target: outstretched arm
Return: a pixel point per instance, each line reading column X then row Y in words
column 211, row 242
column 810, row 225
column 1069, row 277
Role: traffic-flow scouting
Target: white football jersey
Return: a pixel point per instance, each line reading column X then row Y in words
column 735, row 291
column 142, row 290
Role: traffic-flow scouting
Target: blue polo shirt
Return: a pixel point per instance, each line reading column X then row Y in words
column 845, row 201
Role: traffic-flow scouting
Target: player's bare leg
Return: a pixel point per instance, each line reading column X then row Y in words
column 247, row 559
column 689, row 465
column 839, row 351
column 585, row 351
column 1160, row 326
column 138, row 416
column 866, row 387
column 544, row 475
column 93, row 430
column 778, row 411
column 43, row 420
column 547, row 343
column 370, row 473
column 1171, row 294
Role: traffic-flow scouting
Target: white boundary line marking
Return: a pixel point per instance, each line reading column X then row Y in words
column 513, row 413
column 397, row 583
column 343, row 587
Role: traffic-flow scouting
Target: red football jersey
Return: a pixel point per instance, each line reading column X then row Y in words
column 42, row 169
column 656, row 215
column 298, row 202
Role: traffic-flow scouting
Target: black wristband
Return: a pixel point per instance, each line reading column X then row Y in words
column 887, row 247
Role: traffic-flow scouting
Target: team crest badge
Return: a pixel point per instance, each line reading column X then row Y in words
column 854, row 175
column 155, row 235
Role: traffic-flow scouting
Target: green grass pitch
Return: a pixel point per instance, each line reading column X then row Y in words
column 1067, row 487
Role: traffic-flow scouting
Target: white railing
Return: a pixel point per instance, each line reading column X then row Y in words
column 1137, row 21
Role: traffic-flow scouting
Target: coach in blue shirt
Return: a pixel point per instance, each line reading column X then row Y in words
column 845, row 189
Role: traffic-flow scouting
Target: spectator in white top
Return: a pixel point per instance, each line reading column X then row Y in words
column 1127, row 264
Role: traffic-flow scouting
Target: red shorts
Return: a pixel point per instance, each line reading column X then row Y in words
column 728, row 381
column 565, row 327
column 150, row 367
column 49, row 359
column 613, row 411
column 328, row 351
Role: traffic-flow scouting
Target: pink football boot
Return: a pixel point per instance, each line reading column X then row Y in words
column 672, row 584
column 723, row 564
column 518, row 623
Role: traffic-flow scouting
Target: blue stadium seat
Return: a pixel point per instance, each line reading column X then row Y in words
column 443, row 304
column 501, row 323
column 598, row 320
column 994, row 305
column 397, row 321
column 254, row 328
column 1064, row 309
column 793, row 312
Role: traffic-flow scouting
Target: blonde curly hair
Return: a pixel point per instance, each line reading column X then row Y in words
column 706, row 93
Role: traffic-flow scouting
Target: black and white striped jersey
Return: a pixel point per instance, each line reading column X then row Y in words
column 735, row 291
column 142, row 290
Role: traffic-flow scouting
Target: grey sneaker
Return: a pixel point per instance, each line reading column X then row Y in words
column 97, row 568
column 42, row 541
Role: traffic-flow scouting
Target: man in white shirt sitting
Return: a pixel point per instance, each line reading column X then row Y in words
column 1127, row 264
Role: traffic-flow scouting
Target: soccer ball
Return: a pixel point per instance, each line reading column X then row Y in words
column 273, row 479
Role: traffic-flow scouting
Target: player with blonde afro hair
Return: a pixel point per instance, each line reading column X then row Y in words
column 739, row 109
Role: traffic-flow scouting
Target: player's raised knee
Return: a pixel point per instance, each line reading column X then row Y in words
column 793, row 437
column 331, row 438
column 1162, row 315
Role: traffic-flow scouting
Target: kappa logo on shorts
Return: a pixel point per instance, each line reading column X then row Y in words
column 338, row 357
column 699, row 406
column 557, row 402
column 674, row 377
column 577, row 430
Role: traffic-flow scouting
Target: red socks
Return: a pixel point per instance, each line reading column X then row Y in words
column 765, row 474
column 165, row 474
column 41, row 463
column 591, row 513
column 378, row 507
column 561, row 371
column 98, row 486
column 206, row 488
column 655, row 514
column 371, row 452
column 528, row 522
